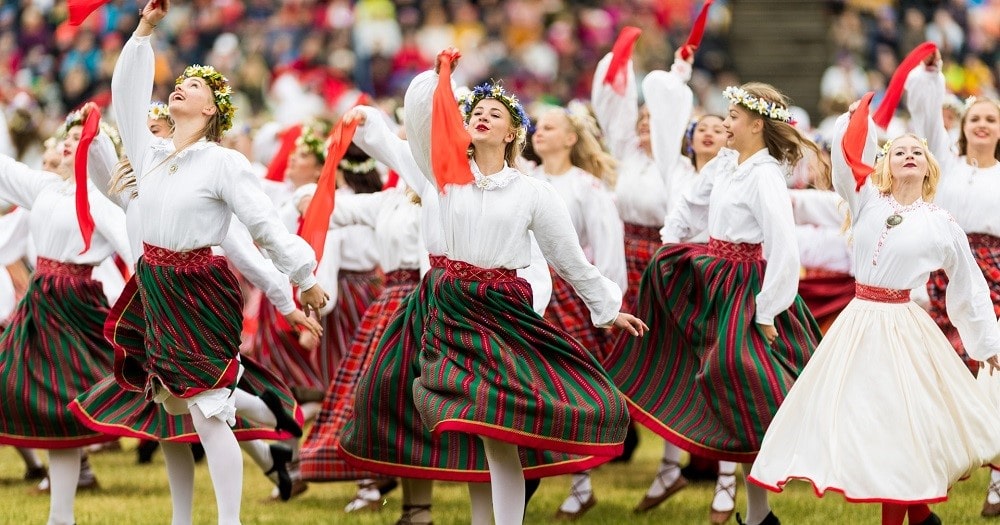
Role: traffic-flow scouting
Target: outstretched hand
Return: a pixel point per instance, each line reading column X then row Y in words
column 313, row 299
column 630, row 324
column 299, row 320
column 449, row 52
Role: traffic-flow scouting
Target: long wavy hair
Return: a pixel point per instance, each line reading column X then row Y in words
column 963, row 141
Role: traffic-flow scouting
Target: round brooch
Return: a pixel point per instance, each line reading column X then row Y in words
column 173, row 169
column 893, row 220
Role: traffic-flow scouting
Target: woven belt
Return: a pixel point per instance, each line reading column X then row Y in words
column 651, row 233
column 397, row 277
column 881, row 295
column 156, row 256
column 467, row 272
column 736, row 251
column 55, row 268
column 438, row 261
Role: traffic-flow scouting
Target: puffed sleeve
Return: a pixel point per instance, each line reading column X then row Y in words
column 380, row 143
column 968, row 299
column 925, row 92
column 604, row 231
column 109, row 221
column 773, row 210
column 417, row 108
column 616, row 114
column 131, row 89
column 818, row 207
column 239, row 249
column 101, row 161
column 843, row 177
column 670, row 103
column 556, row 236
column 240, row 189
column 20, row 184
column 357, row 208
column 690, row 216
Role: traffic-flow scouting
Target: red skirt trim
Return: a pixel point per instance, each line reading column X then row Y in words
column 781, row 486
column 437, row 261
column 735, row 251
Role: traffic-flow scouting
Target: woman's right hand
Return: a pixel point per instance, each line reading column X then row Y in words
column 355, row 115
column 154, row 11
column 630, row 324
column 450, row 52
column 994, row 363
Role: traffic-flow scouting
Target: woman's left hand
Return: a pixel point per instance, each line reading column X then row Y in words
column 313, row 299
column 299, row 320
column 631, row 324
column 994, row 363
column 770, row 332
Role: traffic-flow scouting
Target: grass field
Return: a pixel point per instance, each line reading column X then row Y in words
column 132, row 494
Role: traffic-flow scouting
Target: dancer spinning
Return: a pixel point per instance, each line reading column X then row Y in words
column 190, row 361
column 932, row 425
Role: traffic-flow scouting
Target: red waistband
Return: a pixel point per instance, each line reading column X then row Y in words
column 983, row 240
column 736, row 251
column 881, row 295
column 402, row 277
column 52, row 267
column 649, row 233
column 156, row 256
column 467, row 272
column 438, row 261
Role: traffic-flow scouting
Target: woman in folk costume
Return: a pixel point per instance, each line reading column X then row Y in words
column 491, row 368
column 188, row 188
column 932, row 425
column 730, row 335
column 968, row 189
column 386, row 434
column 394, row 214
column 54, row 348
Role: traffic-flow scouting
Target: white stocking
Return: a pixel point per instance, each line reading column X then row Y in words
column 180, row 474
column 482, row 503
column 64, row 473
column 309, row 411
column 253, row 408
column 993, row 492
column 506, row 481
column 259, row 452
column 757, row 505
column 725, row 499
column 669, row 471
column 225, row 464
column 580, row 492
column 30, row 458
column 417, row 495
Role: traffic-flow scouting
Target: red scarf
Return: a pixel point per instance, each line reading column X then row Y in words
column 853, row 143
column 449, row 139
column 621, row 53
column 276, row 170
column 91, row 127
column 895, row 90
column 316, row 222
column 79, row 10
column 697, row 31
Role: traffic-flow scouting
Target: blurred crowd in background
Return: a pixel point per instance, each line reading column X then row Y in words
column 291, row 60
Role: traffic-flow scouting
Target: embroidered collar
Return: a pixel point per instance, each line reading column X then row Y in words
column 167, row 146
column 498, row 180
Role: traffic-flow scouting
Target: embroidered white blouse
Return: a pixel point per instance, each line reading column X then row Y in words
column 187, row 200
column 903, row 256
column 968, row 192
column 819, row 220
column 396, row 220
column 745, row 203
column 488, row 223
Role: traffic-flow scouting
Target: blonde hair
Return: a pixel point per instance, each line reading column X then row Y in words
column 782, row 140
column 963, row 141
column 512, row 151
column 587, row 153
column 882, row 177
column 123, row 178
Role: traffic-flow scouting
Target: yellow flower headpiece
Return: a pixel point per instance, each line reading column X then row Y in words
column 222, row 91
column 738, row 95
column 158, row 111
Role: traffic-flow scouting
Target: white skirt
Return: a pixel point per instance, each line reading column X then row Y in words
column 885, row 411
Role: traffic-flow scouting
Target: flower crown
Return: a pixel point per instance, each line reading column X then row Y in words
column 888, row 146
column 972, row 100
column 495, row 91
column 357, row 167
column 222, row 91
column 158, row 111
column 74, row 118
column 314, row 139
column 771, row 110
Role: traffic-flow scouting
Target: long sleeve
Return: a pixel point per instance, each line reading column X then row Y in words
column 690, row 216
column 968, row 300
column 537, row 274
column 358, row 208
column 241, row 191
column 843, row 177
column 380, row 143
column 818, row 207
column 605, row 234
column 109, row 221
column 328, row 270
column 774, row 214
column 670, row 103
column 101, row 161
column 925, row 92
column 553, row 229
column 616, row 114
column 239, row 249
column 417, row 108
column 20, row 184
column 131, row 89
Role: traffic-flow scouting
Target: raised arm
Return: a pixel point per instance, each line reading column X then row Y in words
column 101, row 162
column 131, row 89
column 925, row 92
column 843, row 177
column 670, row 103
column 616, row 114
column 20, row 184
column 968, row 299
column 239, row 248
column 417, row 108
column 376, row 139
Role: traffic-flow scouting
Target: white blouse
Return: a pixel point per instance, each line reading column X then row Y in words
column 489, row 223
column 968, row 192
column 396, row 220
column 904, row 256
column 52, row 221
column 187, row 198
column 819, row 223
column 745, row 203
column 592, row 210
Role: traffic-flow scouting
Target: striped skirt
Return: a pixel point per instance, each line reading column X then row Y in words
column 641, row 242
column 703, row 377
column 276, row 346
column 176, row 323
column 568, row 312
column 986, row 251
column 320, row 459
column 492, row 367
column 53, row 350
column 356, row 291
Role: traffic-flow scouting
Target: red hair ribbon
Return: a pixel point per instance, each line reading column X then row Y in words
column 276, row 170
column 449, row 138
column 91, row 127
column 621, row 53
column 697, row 31
column 316, row 221
column 391, row 181
column 894, row 92
column 853, row 143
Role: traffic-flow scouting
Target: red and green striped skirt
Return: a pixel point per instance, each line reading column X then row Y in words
column 492, row 367
column 52, row 351
column 276, row 346
column 986, row 251
column 641, row 242
column 356, row 291
column 177, row 323
column 320, row 456
column 568, row 312
column 703, row 377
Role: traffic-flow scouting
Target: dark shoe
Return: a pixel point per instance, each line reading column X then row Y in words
column 991, row 510
column 198, row 452
column 648, row 503
column 410, row 512
column 771, row 519
column 35, row 473
column 933, row 519
column 280, row 456
column 145, row 451
column 562, row 515
column 285, row 420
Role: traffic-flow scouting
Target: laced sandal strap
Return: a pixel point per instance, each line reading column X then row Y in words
column 994, row 488
column 728, row 488
column 576, row 492
column 415, row 508
column 669, row 466
column 410, row 512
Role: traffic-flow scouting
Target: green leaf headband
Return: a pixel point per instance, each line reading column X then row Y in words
column 221, row 90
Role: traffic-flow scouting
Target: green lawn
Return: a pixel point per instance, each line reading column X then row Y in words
column 139, row 494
